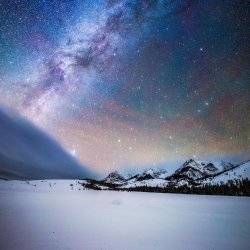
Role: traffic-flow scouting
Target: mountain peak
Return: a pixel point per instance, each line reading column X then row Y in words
column 194, row 170
column 149, row 171
column 114, row 176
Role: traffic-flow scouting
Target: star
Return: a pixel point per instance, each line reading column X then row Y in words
column 123, row 84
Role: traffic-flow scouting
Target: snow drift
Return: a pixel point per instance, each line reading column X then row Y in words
column 33, row 217
column 26, row 152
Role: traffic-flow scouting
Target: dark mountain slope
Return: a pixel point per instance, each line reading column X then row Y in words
column 26, row 152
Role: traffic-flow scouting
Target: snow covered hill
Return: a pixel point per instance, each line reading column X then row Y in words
column 26, row 152
column 42, row 185
column 240, row 172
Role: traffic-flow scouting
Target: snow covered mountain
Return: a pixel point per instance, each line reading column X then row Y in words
column 153, row 174
column 234, row 174
column 194, row 170
column 192, row 174
column 115, row 178
column 149, row 177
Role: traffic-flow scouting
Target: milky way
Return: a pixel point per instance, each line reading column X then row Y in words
column 130, row 84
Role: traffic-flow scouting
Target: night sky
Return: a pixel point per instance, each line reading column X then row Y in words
column 131, row 84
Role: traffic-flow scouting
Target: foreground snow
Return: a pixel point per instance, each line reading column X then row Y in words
column 37, row 215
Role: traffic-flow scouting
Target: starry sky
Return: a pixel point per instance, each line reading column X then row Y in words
column 125, row 84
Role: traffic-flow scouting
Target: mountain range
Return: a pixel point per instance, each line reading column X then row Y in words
column 192, row 175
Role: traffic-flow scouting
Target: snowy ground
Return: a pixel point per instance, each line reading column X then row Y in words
column 40, row 216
